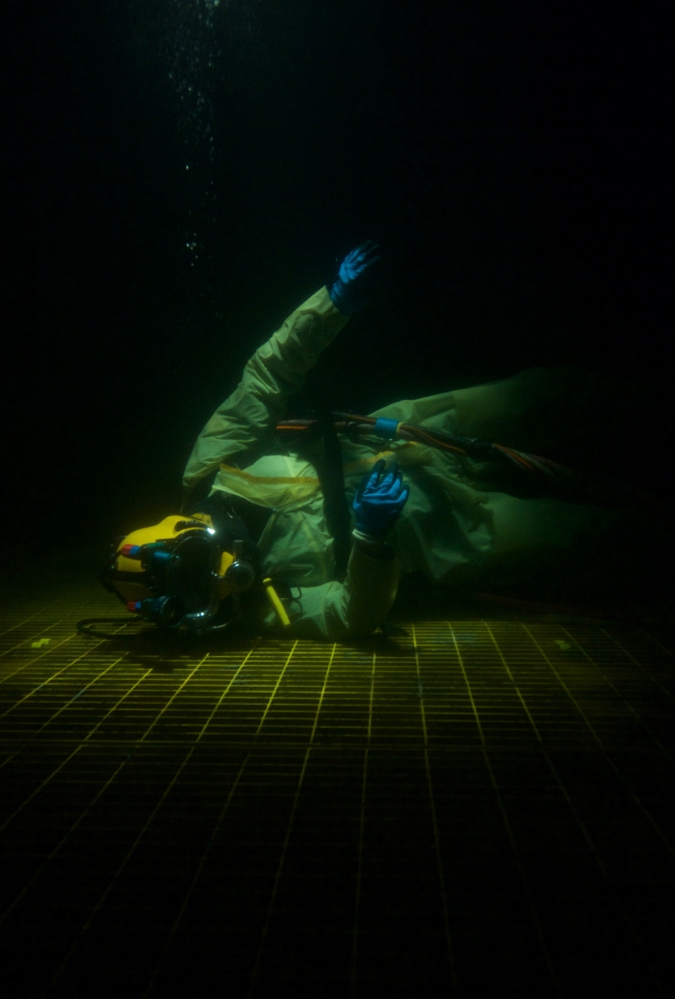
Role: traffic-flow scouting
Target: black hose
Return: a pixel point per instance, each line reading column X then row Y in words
column 84, row 626
column 332, row 480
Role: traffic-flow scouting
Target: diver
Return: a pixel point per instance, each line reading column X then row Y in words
column 311, row 538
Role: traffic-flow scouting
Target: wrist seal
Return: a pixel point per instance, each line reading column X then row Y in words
column 369, row 539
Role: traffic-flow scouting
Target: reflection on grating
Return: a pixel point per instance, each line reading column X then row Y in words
column 431, row 814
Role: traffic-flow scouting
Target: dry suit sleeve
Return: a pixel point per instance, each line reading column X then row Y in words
column 276, row 371
column 353, row 609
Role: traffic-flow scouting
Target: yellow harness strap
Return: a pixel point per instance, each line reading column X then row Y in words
column 273, row 598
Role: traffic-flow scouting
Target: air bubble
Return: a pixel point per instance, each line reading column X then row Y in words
column 193, row 60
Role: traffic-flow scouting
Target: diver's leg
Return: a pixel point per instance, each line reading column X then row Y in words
column 529, row 411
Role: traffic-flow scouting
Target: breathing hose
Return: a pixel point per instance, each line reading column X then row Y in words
column 599, row 486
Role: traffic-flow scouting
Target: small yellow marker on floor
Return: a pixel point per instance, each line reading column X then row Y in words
column 40, row 643
column 564, row 647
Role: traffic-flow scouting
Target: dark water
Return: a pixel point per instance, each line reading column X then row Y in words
column 183, row 173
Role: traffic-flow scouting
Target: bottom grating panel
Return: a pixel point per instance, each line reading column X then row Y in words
column 469, row 805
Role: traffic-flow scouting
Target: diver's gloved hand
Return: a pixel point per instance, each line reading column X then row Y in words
column 378, row 502
column 354, row 285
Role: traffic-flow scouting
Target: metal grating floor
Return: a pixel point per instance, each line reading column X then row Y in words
column 473, row 808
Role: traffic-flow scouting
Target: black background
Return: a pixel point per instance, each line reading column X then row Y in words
column 515, row 161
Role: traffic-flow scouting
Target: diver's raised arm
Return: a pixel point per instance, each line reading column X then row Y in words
column 277, row 370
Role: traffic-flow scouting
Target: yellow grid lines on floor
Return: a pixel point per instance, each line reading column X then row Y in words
column 470, row 800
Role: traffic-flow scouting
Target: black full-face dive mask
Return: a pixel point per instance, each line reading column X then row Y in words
column 187, row 572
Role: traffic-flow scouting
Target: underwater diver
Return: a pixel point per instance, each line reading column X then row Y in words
column 311, row 539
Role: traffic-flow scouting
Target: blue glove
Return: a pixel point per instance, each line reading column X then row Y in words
column 379, row 501
column 353, row 288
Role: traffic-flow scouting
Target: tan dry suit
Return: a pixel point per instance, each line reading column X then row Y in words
column 454, row 527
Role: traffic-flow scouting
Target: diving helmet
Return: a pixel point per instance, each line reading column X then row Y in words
column 186, row 572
